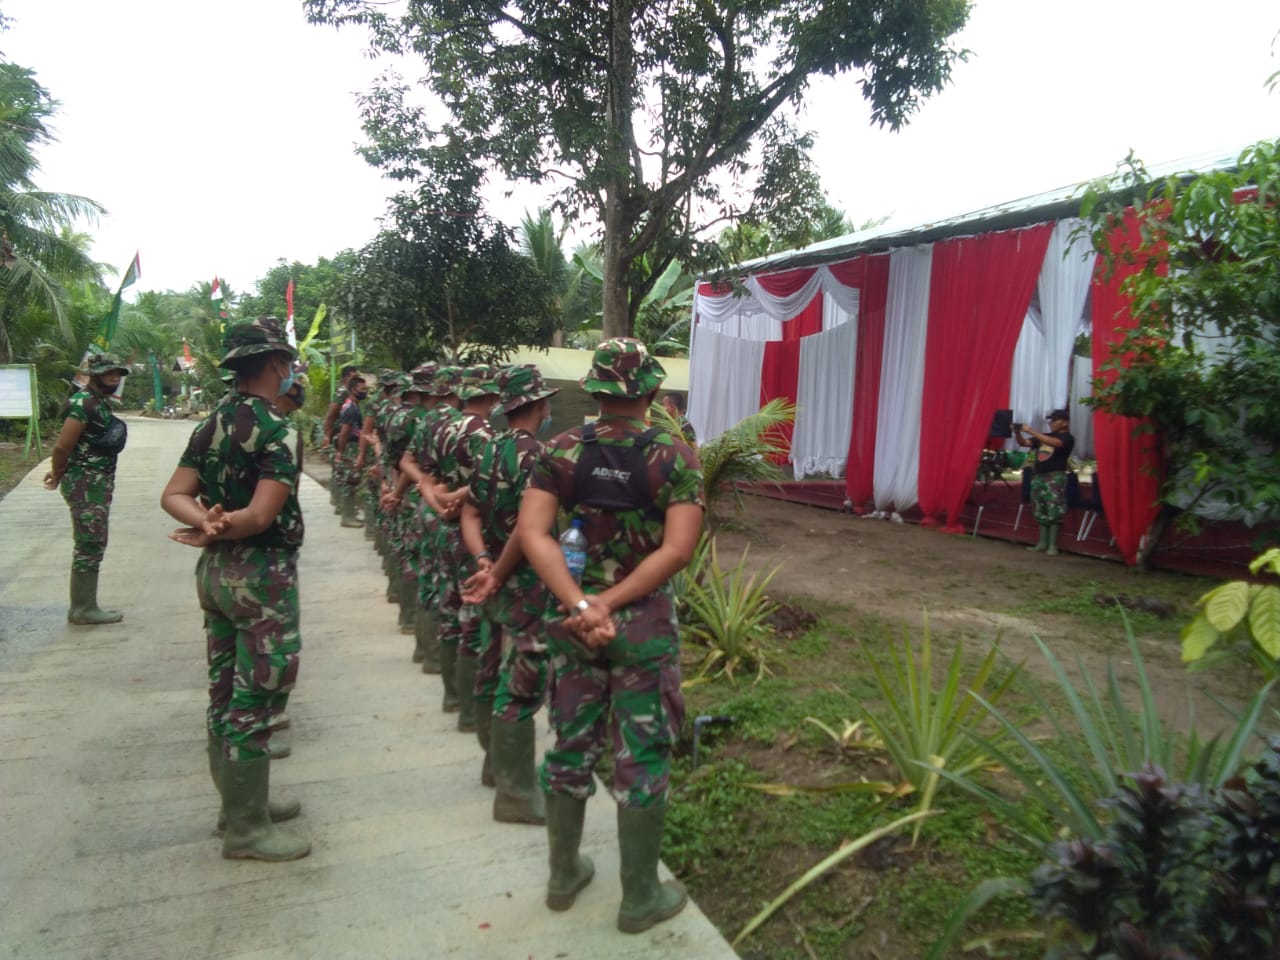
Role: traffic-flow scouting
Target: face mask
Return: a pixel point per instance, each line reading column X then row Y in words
column 546, row 423
column 286, row 383
column 361, row 394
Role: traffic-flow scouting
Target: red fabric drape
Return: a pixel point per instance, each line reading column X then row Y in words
column 871, row 276
column 779, row 376
column 1129, row 467
column 786, row 283
column 979, row 291
column 808, row 321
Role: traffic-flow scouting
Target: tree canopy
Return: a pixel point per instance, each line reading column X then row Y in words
column 634, row 105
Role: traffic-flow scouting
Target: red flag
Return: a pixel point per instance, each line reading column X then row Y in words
column 187, row 360
column 288, row 324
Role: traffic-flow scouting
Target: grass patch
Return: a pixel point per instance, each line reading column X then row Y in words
column 1092, row 604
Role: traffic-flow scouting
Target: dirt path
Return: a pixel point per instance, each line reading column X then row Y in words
column 851, row 568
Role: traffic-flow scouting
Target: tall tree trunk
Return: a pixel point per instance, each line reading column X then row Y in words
column 616, row 318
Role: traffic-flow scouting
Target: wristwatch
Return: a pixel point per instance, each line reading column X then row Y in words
column 486, row 555
column 581, row 605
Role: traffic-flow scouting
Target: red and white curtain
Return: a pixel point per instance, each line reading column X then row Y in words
column 898, row 361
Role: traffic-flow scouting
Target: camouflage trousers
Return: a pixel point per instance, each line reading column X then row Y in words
column 446, row 593
column 516, row 657
column 344, row 467
column 1049, row 497
column 88, row 495
column 636, row 703
column 249, row 596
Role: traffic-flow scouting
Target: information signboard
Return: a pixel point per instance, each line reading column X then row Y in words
column 18, row 400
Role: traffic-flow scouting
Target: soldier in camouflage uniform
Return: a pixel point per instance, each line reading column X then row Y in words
column 394, row 399
column 329, row 428
column 638, row 493
column 408, row 536
column 351, row 421
column 512, row 680
column 456, row 444
column 83, row 468
column 391, row 384
column 418, row 480
column 236, row 488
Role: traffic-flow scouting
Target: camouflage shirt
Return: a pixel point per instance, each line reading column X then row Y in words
column 459, row 443
column 435, row 421
column 95, row 413
column 496, row 487
column 618, row 542
column 399, row 430
column 245, row 440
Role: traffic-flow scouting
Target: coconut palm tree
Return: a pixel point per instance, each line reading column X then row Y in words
column 39, row 254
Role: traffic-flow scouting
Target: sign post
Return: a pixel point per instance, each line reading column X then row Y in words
column 19, row 400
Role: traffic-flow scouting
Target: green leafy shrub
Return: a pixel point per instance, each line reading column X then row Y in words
column 727, row 612
column 1239, row 608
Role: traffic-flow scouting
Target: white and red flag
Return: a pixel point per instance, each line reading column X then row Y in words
column 289, row 330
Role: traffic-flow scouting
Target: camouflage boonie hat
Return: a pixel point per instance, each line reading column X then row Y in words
column 403, row 384
column 423, row 377
column 521, row 384
column 477, row 381
column 388, row 377
column 101, row 363
column 264, row 335
column 622, row 367
column 447, row 381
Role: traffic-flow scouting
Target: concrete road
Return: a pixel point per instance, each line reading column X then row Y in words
column 107, row 847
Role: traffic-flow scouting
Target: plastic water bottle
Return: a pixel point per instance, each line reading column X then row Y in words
column 574, row 544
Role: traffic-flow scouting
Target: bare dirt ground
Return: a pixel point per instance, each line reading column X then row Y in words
column 848, row 568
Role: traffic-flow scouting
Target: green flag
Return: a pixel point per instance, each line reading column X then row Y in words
column 107, row 329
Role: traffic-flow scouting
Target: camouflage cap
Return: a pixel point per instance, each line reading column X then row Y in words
column 263, row 335
column 423, row 377
column 521, row 384
column 447, row 381
column 100, row 363
column 622, row 367
column 478, row 380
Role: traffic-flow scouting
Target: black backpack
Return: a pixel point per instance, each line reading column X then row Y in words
column 613, row 477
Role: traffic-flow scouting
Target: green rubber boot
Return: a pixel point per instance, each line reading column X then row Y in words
column 426, row 625
column 1052, row 549
column 408, row 609
column 285, row 810
column 484, row 730
column 570, row 871
column 467, row 669
column 1044, row 540
column 645, row 901
column 518, row 798
column 393, row 582
column 84, row 608
column 370, row 527
column 347, row 500
column 449, row 676
column 250, row 833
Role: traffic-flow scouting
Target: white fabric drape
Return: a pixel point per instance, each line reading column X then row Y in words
column 834, row 314
column 897, row 467
column 824, row 420
column 1042, row 358
column 755, row 314
column 724, row 381
column 1082, row 413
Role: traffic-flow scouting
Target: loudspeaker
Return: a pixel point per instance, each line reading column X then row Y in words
column 1001, row 424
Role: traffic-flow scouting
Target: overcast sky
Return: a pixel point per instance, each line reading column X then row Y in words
column 220, row 136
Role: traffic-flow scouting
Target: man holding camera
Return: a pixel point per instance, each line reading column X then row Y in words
column 1052, row 451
